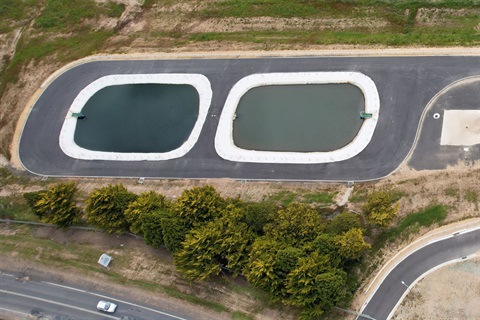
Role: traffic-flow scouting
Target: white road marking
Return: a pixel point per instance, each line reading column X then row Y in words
column 15, row 311
column 7, row 274
column 115, row 299
column 56, row 303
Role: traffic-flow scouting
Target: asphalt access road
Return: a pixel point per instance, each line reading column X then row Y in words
column 405, row 86
column 21, row 296
column 414, row 266
column 428, row 153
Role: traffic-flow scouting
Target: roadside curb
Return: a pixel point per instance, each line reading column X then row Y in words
column 433, row 236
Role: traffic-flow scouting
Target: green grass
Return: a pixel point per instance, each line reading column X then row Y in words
column 283, row 198
column 452, row 191
column 401, row 29
column 15, row 9
column 114, row 10
column 14, row 207
column 7, row 178
column 58, row 16
column 471, row 196
column 196, row 300
column 173, row 292
column 73, row 47
column 358, row 195
column 318, row 197
column 246, row 289
column 411, row 223
column 446, row 36
column 394, row 10
column 237, row 315
column 61, row 14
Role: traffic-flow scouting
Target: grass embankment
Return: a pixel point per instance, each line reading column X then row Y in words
column 392, row 23
column 53, row 30
column 411, row 224
column 320, row 199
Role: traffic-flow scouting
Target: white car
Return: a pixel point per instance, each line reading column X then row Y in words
column 106, row 306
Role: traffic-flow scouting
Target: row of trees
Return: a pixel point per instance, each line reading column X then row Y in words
column 295, row 254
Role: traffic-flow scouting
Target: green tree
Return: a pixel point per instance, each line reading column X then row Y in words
column 351, row 244
column 381, row 208
column 343, row 222
column 269, row 264
column 260, row 269
column 31, row 198
column 315, row 285
column 57, row 205
column 152, row 228
column 145, row 204
column 297, row 224
column 199, row 205
column 258, row 214
column 106, row 206
column 220, row 244
column 174, row 231
column 325, row 244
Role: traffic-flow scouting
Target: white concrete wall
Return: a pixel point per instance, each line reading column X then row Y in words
column 227, row 149
column 71, row 149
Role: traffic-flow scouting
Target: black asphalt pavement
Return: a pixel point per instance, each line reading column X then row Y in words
column 415, row 265
column 23, row 295
column 405, row 86
column 428, row 153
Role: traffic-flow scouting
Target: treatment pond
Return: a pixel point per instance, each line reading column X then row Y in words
column 137, row 117
column 313, row 117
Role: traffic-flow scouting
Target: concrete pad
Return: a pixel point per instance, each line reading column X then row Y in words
column 460, row 128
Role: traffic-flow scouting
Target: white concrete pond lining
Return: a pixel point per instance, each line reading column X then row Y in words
column 198, row 81
column 225, row 145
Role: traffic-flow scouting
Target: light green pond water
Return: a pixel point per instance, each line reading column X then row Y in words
column 298, row 118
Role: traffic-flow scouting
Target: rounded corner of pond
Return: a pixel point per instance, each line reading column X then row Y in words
column 138, row 118
column 298, row 117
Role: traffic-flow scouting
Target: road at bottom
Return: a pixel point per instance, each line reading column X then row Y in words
column 399, row 280
column 22, row 297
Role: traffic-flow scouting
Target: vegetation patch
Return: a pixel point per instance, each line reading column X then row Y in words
column 14, row 208
column 411, row 223
column 278, row 248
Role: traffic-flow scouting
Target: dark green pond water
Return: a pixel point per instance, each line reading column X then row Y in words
column 298, row 118
column 143, row 118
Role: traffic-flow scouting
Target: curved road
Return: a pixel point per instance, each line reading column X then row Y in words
column 407, row 272
column 22, row 297
column 405, row 86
